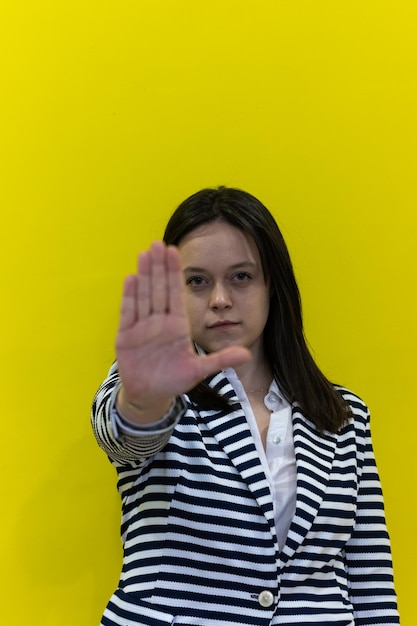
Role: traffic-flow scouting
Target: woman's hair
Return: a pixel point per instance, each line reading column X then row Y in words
column 294, row 369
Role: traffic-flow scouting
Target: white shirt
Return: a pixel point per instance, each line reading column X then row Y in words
column 278, row 460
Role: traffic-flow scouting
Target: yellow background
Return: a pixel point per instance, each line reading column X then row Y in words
column 111, row 113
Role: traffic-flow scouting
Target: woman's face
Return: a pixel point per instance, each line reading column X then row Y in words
column 227, row 298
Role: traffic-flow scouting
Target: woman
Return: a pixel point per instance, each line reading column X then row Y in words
column 249, row 487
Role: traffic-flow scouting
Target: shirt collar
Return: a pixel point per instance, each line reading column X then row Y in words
column 231, row 375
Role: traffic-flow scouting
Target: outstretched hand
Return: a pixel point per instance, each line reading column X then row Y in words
column 155, row 352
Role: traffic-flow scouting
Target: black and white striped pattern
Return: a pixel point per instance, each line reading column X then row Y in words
column 198, row 526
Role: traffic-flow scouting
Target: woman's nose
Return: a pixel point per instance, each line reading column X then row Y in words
column 220, row 297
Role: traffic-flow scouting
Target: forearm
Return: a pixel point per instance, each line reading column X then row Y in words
column 368, row 553
column 127, row 443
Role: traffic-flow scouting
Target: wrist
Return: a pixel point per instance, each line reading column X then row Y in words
column 142, row 413
column 166, row 422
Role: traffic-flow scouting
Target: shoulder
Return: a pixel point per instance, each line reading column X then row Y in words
column 351, row 398
column 358, row 408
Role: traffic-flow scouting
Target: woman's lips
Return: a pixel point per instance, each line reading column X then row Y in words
column 223, row 325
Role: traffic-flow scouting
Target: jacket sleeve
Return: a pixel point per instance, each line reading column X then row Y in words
column 120, row 446
column 368, row 553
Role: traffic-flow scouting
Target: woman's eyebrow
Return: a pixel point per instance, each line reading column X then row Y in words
column 240, row 265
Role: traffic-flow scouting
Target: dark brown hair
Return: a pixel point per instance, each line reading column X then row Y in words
column 298, row 376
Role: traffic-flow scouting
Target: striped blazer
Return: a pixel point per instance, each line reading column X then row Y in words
column 199, row 540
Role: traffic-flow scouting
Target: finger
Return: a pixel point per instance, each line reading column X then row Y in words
column 158, row 287
column 128, row 304
column 229, row 357
column 175, row 286
column 143, row 299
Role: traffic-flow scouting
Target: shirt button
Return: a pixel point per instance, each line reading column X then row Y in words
column 266, row 599
column 271, row 397
column 276, row 440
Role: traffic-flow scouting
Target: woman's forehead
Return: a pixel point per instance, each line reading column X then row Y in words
column 218, row 243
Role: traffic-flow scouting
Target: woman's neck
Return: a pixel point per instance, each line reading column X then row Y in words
column 255, row 375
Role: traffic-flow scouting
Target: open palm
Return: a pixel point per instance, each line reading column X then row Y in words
column 155, row 352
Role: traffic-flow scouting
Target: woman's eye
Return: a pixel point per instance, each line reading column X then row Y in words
column 195, row 281
column 242, row 276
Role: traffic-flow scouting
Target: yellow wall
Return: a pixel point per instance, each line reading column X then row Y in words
column 112, row 112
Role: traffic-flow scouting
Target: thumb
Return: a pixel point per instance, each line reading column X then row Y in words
column 228, row 357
